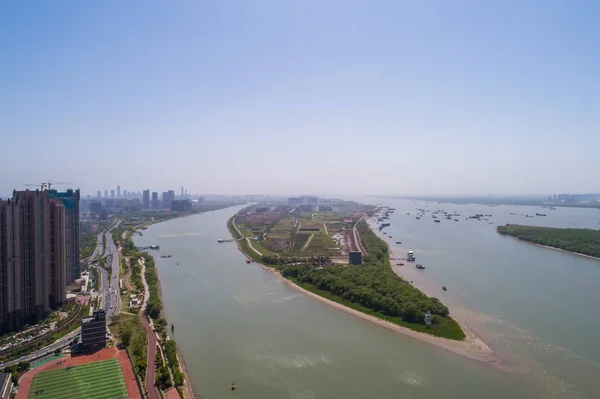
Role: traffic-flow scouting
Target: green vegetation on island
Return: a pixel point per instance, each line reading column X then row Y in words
column 580, row 241
column 374, row 288
column 279, row 235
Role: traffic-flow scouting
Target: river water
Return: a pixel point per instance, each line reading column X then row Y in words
column 236, row 322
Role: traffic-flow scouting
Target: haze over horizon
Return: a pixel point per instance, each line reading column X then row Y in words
column 326, row 97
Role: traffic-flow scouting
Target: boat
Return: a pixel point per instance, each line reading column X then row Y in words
column 436, row 221
column 172, row 327
column 154, row 247
column 540, row 214
column 420, row 267
column 220, row 240
column 444, row 288
column 398, row 242
column 248, row 261
column 233, row 386
column 456, row 220
column 410, row 257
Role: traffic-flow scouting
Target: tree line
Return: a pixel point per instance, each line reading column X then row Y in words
column 581, row 241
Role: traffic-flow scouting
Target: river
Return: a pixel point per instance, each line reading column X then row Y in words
column 235, row 322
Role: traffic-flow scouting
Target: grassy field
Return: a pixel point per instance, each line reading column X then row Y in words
column 284, row 234
column 98, row 380
column 300, row 241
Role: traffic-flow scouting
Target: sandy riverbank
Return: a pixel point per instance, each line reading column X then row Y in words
column 473, row 341
column 471, row 347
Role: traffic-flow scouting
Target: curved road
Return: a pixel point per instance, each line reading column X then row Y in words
column 151, row 369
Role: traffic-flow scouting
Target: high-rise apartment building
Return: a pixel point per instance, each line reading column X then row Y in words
column 70, row 200
column 146, row 199
column 112, row 193
column 105, row 193
column 166, row 203
column 118, row 191
column 182, row 192
column 33, row 258
column 98, row 194
column 155, row 201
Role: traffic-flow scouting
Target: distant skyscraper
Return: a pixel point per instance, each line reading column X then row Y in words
column 32, row 258
column 118, row 191
column 166, row 203
column 112, row 193
column 124, row 193
column 70, row 200
column 146, row 199
column 98, row 194
column 171, row 195
column 182, row 192
column 105, row 193
column 155, row 201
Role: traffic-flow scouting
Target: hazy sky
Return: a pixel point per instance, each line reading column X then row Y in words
column 323, row 97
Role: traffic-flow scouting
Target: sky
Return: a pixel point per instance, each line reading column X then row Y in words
column 302, row 97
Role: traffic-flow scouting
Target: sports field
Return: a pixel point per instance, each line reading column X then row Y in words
column 97, row 380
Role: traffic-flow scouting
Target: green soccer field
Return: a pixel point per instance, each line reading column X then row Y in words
column 98, row 380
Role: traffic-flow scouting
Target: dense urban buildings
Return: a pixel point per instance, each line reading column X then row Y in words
column 574, row 199
column 303, row 200
column 182, row 205
column 93, row 331
column 33, row 258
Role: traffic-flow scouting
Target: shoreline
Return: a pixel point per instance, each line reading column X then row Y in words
column 471, row 336
column 549, row 247
column 472, row 347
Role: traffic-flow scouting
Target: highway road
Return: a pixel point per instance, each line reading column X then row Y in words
column 47, row 350
column 111, row 292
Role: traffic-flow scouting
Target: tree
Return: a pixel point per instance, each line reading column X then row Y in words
column 126, row 337
column 23, row 366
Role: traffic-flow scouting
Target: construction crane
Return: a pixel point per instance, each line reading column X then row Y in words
column 47, row 185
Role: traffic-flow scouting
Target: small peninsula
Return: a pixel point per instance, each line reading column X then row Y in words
column 578, row 241
column 310, row 244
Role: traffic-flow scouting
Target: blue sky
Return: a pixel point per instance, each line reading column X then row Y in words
column 325, row 97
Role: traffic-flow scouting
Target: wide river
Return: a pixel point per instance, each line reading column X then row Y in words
column 538, row 308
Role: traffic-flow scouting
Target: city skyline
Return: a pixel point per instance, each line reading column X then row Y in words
column 355, row 98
